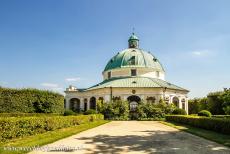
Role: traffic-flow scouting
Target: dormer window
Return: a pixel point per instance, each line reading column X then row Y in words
column 133, row 72
column 109, row 75
column 132, row 60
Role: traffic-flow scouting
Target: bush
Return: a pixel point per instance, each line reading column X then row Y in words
column 69, row 112
column 216, row 124
column 204, row 113
column 150, row 111
column 90, row 111
column 179, row 111
column 14, row 127
column 116, row 110
column 30, row 101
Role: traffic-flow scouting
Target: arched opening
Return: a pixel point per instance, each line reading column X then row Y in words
column 92, row 103
column 75, row 104
column 85, row 104
column 175, row 101
column 183, row 103
column 151, row 99
column 133, row 102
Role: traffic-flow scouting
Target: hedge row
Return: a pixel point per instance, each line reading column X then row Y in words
column 14, row 127
column 216, row 124
column 221, row 116
column 30, row 101
column 28, row 114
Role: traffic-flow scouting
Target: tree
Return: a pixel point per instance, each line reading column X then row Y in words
column 215, row 103
column 226, row 98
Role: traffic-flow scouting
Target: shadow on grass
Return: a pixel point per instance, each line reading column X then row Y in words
column 208, row 134
column 152, row 142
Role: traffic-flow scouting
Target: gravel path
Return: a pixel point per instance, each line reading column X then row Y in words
column 135, row 137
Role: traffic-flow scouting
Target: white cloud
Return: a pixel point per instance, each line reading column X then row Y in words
column 49, row 85
column 53, row 87
column 72, row 79
column 199, row 53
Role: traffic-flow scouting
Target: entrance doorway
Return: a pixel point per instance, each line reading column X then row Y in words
column 133, row 103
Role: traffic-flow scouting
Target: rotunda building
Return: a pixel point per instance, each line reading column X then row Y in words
column 132, row 75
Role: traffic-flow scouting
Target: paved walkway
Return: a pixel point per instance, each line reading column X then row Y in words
column 136, row 137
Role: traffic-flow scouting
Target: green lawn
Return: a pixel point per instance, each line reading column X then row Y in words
column 207, row 134
column 48, row 137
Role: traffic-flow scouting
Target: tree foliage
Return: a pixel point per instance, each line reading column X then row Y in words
column 226, row 100
column 218, row 103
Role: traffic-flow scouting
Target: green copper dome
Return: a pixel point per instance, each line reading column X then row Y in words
column 133, row 37
column 133, row 57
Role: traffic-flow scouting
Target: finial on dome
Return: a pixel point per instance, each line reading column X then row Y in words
column 133, row 31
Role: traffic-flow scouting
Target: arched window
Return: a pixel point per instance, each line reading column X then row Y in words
column 175, row 101
column 132, row 60
column 75, row 104
column 151, row 99
column 133, row 102
column 85, row 104
column 92, row 103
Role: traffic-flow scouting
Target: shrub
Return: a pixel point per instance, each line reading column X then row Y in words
column 147, row 111
column 116, row 110
column 179, row 111
column 14, row 127
column 90, row 111
column 30, row 101
column 69, row 112
column 119, row 110
column 204, row 113
column 216, row 124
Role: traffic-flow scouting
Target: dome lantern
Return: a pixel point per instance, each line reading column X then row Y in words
column 133, row 41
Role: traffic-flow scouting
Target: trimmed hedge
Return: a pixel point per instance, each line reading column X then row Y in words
column 14, row 127
column 215, row 124
column 221, row 116
column 90, row 111
column 30, row 101
column 205, row 113
column 28, row 114
column 179, row 111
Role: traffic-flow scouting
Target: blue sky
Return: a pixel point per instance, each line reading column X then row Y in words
column 50, row 44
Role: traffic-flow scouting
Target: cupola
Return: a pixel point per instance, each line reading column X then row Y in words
column 133, row 41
